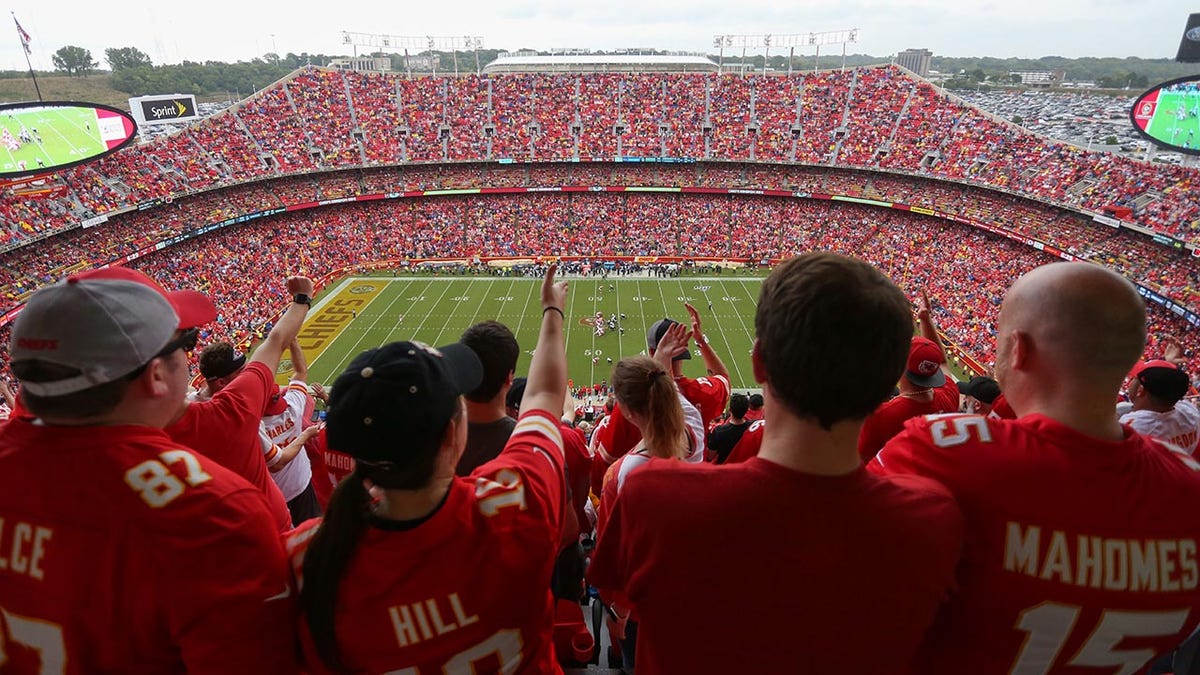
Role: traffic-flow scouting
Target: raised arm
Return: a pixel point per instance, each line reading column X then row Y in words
column 299, row 365
column 546, row 386
column 929, row 329
column 712, row 362
column 288, row 327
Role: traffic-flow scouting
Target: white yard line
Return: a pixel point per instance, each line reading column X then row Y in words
column 356, row 350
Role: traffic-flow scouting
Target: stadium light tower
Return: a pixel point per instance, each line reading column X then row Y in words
column 766, row 40
column 379, row 42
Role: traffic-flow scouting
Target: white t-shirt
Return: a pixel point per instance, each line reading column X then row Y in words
column 279, row 430
column 694, row 423
column 1178, row 427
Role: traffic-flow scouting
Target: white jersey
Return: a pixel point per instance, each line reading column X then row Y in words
column 276, row 431
column 1178, row 427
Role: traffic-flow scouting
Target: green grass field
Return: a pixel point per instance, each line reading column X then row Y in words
column 1167, row 126
column 67, row 135
column 436, row 310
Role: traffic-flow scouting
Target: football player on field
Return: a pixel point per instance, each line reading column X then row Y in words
column 1081, row 541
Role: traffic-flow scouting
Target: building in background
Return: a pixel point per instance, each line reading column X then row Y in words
column 916, row 60
column 363, row 64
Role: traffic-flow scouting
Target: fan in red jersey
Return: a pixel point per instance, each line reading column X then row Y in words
column 824, row 567
column 1081, row 544
column 414, row 569
column 122, row 551
column 925, row 388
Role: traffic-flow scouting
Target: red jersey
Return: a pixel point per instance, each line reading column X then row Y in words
column 225, row 429
column 748, row 445
column 468, row 588
column 1001, row 409
column 889, row 418
column 798, row 571
column 1080, row 554
column 122, row 552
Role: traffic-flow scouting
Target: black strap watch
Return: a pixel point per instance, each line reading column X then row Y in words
column 302, row 299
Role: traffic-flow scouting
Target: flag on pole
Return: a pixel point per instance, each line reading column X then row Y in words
column 22, row 34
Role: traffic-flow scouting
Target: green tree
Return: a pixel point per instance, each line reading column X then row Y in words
column 1014, row 78
column 123, row 58
column 73, row 60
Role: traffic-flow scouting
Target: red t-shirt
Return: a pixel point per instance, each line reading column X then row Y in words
column 801, row 573
column 889, row 418
column 225, row 429
column 1079, row 552
column 122, row 552
column 748, row 445
column 470, row 586
column 1002, row 410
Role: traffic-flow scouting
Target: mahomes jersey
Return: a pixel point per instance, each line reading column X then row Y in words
column 467, row 590
column 1080, row 554
column 122, row 552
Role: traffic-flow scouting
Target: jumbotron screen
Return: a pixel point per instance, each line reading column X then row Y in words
column 1169, row 115
column 47, row 136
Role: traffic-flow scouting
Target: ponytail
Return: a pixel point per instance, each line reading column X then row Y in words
column 643, row 387
column 325, row 562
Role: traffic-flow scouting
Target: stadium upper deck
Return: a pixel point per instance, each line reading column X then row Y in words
column 872, row 118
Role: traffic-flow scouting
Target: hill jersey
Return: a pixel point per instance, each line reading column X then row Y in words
column 808, row 574
column 123, row 552
column 466, row 590
column 1080, row 554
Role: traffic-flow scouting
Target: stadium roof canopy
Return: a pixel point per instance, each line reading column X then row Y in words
column 595, row 63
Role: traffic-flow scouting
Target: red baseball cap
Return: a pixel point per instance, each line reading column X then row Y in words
column 925, row 360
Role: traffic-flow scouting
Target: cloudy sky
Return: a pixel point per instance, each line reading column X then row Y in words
column 231, row 30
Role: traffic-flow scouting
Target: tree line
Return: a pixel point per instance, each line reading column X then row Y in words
column 134, row 73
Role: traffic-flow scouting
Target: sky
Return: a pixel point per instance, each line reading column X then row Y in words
column 232, row 30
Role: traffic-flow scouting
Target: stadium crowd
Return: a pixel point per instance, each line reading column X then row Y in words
column 871, row 118
column 427, row 458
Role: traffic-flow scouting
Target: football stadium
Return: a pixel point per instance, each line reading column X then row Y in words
column 315, row 398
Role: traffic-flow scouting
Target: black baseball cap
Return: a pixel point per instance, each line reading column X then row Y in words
column 515, row 393
column 1162, row 379
column 981, row 388
column 398, row 398
column 656, row 333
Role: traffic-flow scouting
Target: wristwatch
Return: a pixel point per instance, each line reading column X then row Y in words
column 302, row 299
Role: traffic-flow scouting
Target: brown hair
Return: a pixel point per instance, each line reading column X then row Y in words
column 642, row 386
column 833, row 336
column 97, row 400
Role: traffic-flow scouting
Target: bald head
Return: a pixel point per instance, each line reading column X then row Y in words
column 1083, row 319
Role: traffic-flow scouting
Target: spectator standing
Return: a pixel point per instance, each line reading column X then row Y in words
column 1156, row 390
column 1081, row 537
column 925, row 388
column 832, row 337
column 285, row 433
column 979, row 394
column 226, row 428
column 755, row 411
column 723, row 439
column 489, row 425
column 402, row 534
column 158, row 559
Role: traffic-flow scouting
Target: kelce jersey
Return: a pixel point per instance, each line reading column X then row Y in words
column 1080, row 554
column 468, row 590
column 123, row 552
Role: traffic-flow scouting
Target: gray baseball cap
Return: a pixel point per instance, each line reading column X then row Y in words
column 104, row 323
column 656, row 333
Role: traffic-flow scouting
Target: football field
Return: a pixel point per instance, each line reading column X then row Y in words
column 358, row 313
column 66, row 135
column 1176, row 120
